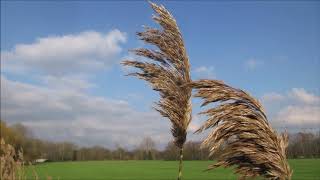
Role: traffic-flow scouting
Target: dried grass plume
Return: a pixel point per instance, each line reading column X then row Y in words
column 241, row 132
column 168, row 72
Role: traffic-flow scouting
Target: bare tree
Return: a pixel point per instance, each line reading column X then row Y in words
column 147, row 148
column 170, row 152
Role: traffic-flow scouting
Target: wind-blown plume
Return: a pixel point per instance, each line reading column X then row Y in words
column 167, row 73
column 241, row 132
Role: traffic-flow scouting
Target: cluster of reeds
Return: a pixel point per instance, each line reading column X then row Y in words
column 12, row 165
column 240, row 127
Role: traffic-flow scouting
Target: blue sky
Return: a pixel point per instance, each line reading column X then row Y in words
column 270, row 49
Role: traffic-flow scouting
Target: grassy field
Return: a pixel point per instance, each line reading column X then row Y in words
column 304, row 169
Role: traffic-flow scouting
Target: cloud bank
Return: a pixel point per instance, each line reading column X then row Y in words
column 61, row 114
column 57, row 104
column 296, row 109
column 66, row 54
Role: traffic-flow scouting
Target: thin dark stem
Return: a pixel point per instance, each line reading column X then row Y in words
column 180, row 164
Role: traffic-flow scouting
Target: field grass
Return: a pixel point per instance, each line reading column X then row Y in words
column 304, row 169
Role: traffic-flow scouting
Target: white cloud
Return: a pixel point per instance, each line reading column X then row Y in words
column 303, row 96
column 75, row 82
column 204, row 72
column 67, row 54
column 58, row 104
column 299, row 116
column 294, row 109
column 252, row 64
column 63, row 114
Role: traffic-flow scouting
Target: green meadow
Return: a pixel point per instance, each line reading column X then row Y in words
column 303, row 169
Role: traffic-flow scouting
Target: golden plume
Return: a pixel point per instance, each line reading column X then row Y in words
column 167, row 73
column 241, row 133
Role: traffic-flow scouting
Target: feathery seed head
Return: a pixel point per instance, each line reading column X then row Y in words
column 168, row 72
column 241, row 132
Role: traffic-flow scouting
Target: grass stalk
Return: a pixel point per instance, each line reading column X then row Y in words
column 180, row 163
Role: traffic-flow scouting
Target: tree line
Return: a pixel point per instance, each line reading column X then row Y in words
column 301, row 145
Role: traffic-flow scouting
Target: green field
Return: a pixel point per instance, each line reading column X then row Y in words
column 304, row 169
